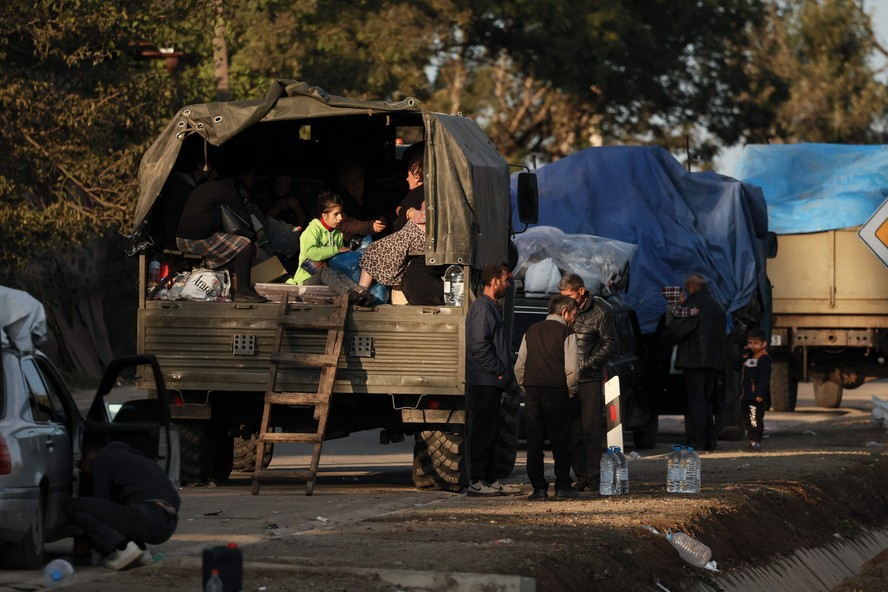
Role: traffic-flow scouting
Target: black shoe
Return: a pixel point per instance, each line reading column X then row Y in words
column 362, row 298
column 567, row 494
column 538, row 495
column 582, row 485
column 249, row 296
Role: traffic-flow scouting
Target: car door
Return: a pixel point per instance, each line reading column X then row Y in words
column 51, row 445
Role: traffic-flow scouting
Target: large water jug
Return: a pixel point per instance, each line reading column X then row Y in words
column 673, row 470
column 454, row 284
column 609, row 470
column 622, row 471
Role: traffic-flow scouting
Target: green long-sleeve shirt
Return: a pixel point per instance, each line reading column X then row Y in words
column 318, row 244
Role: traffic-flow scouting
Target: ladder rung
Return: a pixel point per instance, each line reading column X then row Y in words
column 305, row 360
column 300, row 437
column 297, row 399
column 283, row 474
column 329, row 322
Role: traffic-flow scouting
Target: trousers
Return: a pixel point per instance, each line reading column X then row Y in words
column 108, row 524
column 484, row 413
column 699, row 422
column 548, row 414
column 588, row 432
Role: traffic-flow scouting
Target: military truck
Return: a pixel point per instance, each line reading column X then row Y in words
column 830, row 316
column 402, row 368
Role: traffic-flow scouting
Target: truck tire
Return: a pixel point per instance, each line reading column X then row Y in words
column 826, row 393
column 438, row 461
column 223, row 459
column 506, row 445
column 197, row 451
column 245, row 453
column 784, row 386
column 645, row 437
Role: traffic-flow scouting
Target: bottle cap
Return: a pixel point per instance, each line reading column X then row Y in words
column 231, row 545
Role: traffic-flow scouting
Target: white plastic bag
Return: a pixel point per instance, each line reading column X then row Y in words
column 542, row 277
column 206, row 284
column 880, row 413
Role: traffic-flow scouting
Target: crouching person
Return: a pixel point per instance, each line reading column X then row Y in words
column 547, row 369
column 132, row 503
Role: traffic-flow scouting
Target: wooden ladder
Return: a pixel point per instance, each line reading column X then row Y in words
column 334, row 323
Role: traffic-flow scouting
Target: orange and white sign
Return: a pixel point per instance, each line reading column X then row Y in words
column 874, row 233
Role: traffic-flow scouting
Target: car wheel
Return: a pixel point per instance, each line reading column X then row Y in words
column 29, row 553
column 438, row 461
column 645, row 437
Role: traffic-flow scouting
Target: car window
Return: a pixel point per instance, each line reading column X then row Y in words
column 54, row 390
column 42, row 410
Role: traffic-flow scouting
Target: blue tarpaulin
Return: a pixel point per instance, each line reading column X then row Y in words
column 681, row 223
column 816, row 187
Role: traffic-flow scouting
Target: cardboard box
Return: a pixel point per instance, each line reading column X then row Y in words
column 269, row 270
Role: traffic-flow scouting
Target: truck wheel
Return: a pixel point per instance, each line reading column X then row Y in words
column 223, row 460
column 645, row 437
column 438, row 460
column 245, row 453
column 506, row 445
column 784, row 386
column 197, row 451
column 826, row 393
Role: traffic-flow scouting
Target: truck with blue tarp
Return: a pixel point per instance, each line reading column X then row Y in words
column 830, row 312
column 681, row 223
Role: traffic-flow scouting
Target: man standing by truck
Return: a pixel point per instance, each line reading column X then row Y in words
column 596, row 343
column 700, row 357
column 489, row 372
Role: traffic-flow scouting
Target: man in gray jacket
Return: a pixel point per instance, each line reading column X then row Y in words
column 700, row 357
column 488, row 373
column 596, row 343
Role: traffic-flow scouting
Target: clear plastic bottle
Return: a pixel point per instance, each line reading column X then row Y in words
column 674, row 475
column 683, row 468
column 214, row 584
column 693, row 467
column 153, row 273
column 622, row 471
column 57, row 571
column 609, row 468
column 454, row 284
column 689, row 548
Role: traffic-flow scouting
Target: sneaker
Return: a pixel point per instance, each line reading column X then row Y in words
column 756, row 447
column 508, row 488
column 567, row 494
column 120, row 559
column 538, row 495
column 483, row 488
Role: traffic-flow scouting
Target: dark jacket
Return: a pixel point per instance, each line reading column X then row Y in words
column 124, row 475
column 700, row 338
column 202, row 216
column 755, row 377
column 596, row 338
column 488, row 355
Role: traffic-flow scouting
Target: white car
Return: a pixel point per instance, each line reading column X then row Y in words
column 42, row 432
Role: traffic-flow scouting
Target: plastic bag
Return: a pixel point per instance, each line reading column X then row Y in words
column 347, row 264
column 599, row 261
column 206, row 284
column 542, row 277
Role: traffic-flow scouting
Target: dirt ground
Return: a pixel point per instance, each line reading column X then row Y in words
column 809, row 488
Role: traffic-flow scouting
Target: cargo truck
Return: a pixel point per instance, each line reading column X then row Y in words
column 402, row 367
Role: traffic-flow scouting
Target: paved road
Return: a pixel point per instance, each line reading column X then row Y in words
column 359, row 479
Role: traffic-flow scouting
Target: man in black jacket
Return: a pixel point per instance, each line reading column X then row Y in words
column 132, row 503
column 488, row 373
column 596, row 343
column 700, row 357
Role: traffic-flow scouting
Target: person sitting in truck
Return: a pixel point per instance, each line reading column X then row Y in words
column 385, row 260
column 320, row 242
column 201, row 231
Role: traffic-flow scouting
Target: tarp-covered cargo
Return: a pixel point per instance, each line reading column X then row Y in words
column 681, row 223
column 816, row 187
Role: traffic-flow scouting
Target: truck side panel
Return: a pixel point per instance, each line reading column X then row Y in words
column 414, row 349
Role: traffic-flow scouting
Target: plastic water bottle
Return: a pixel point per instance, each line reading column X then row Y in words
column 609, row 470
column 57, row 571
column 214, row 584
column 153, row 273
column 674, row 475
column 689, row 548
column 693, row 468
column 454, row 284
column 622, row 471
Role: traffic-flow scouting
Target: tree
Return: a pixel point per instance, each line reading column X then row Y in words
column 78, row 107
column 811, row 76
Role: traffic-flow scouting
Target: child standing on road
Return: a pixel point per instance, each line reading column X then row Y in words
column 754, row 364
